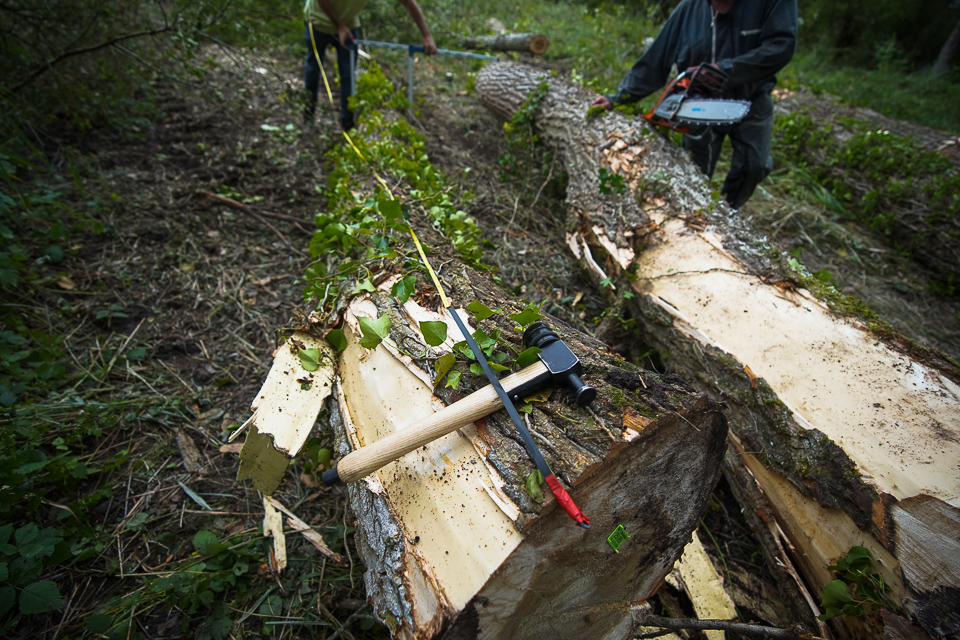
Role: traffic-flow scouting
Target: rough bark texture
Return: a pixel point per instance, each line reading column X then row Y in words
column 702, row 293
column 535, row 43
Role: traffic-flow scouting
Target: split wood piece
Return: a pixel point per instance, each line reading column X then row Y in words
column 285, row 409
column 854, row 440
column 452, row 541
column 304, row 529
column 535, row 43
column 273, row 528
column 704, row 586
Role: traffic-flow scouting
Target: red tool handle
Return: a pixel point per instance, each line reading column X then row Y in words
column 566, row 501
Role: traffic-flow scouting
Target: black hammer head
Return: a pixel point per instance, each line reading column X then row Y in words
column 564, row 367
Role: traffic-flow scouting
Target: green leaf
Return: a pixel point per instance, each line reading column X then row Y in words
column 337, row 340
column 434, row 332
column 366, row 285
column 389, row 208
column 98, row 623
column 324, row 456
column 527, row 357
column 533, row 482
column 7, row 597
column 453, row 380
column 4, row 572
column 479, row 310
column 442, row 365
column 208, row 543
column 40, row 597
column 404, row 288
column 374, row 331
column 220, row 626
column 310, row 358
column 528, row 316
column 836, row 594
column 193, row 496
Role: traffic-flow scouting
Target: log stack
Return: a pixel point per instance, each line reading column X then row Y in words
column 839, row 437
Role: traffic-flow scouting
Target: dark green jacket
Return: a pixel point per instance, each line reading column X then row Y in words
column 751, row 42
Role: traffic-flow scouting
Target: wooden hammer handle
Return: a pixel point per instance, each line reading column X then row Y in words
column 478, row 404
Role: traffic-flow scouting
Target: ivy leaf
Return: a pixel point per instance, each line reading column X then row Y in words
column 527, row 357
column 337, row 340
column 528, row 316
column 434, row 332
column 40, row 597
column 404, row 288
column 374, row 331
column 479, row 310
column 534, row 480
column 310, row 358
column 443, row 364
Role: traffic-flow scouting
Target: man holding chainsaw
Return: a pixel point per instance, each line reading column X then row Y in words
column 333, row 23
column 742, row 42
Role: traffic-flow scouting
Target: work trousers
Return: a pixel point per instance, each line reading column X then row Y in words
column 311, row 73
column 751, row 161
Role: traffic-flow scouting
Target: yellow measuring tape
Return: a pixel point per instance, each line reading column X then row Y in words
column 416, row 241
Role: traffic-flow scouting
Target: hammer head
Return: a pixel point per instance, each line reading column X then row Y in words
column 564, row 367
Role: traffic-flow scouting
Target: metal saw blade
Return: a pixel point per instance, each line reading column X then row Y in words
column 701, row 111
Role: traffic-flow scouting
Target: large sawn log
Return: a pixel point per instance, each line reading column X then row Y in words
column 853, row 437
column 454, row 537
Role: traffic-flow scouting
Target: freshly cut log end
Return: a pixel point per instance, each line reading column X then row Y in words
column 452, row 534
column 853, row 439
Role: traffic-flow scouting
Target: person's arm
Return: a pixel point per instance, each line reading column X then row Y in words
column 652, row 70
column 429, row 46
column 343, row 31
column 778, row 41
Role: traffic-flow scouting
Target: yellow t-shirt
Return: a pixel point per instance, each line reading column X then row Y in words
column 348, row 10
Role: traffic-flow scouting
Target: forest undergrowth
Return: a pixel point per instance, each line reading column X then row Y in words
column 153, row 247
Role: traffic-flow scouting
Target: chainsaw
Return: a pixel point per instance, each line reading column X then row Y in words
column 691, row 103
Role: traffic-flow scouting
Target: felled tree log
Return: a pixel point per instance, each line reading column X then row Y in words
column 535, row 43
column 853, row 438
column 454, row 542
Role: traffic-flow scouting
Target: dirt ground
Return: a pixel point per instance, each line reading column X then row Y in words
column 204, row 287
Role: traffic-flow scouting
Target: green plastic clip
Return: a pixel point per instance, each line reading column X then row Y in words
column 617, row 538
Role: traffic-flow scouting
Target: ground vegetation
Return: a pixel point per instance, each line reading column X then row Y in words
column 160, row 203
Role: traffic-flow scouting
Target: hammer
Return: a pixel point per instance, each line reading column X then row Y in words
column 556, row 364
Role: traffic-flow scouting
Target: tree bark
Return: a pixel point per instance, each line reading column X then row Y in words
column 948, row 52
column 535, row 43
column 854, row 439
column 455, row 545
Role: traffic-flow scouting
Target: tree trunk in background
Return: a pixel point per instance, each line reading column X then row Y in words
column 853, row 440
column 948, row 52
column 453, row 542
column 533, row 42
